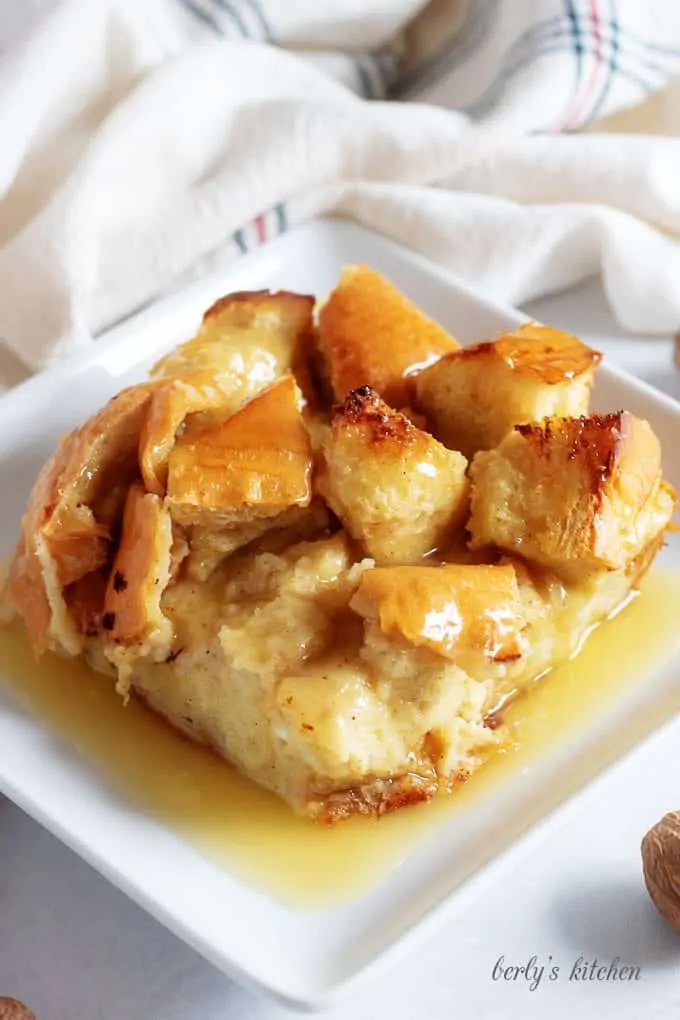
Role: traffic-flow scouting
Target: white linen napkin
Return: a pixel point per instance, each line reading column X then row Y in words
column 143, row 141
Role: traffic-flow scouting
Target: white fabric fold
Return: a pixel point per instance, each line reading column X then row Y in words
column 140, row 140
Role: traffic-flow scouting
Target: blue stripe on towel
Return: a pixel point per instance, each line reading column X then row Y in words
column 281, row 218
column 613, row 63
column 240, row 241
column 193, row 8
column 265, row 28
column 366, row 83
column 581, row 34
column 232, row 12
column 564, row 35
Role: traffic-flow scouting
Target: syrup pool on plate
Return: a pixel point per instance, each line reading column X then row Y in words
column 307, row 864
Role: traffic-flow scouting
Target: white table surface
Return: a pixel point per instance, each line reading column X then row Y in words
column 74, row 948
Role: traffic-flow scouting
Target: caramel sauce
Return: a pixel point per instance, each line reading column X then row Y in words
column 255, row 835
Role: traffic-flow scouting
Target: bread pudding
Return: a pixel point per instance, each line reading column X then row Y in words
column 331, row 544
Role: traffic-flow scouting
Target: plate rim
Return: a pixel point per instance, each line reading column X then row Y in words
column 30, row 388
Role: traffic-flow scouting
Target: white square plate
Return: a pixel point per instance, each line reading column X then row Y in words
column 301, row 957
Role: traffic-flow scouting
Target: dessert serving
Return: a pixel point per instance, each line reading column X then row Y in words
column 331, row 544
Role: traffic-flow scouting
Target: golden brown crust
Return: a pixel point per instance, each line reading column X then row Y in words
column 141, row 572
column 382, row 796
column 278, row 320
column 246, row 340
column 370, row 333
column 169, row 406
column 374, row 798
column 538, row 351
column 451, row 609
column 572, row 494
column 364, row 408
column 62, row 539
column 472, row 397
column 244, row 305
column 598, row 442
column 256, row 464
column 395, row 488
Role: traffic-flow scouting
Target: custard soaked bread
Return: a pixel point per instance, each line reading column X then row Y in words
column 586, row 493
column 398, row 491
column 472, row 396
column 336, row 592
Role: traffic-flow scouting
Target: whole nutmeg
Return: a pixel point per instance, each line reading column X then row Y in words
column 661, row 867
column 12, row 1009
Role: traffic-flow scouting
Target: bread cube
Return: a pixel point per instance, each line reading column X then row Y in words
column 371, row 334
column 395, row 488
column 76, row 501
column 473, row 396
column 246, row 341
column 141, row 572
column 256, row 464
column 172, row 404
column 456, row 610
column 573, row 494
column 251, row 336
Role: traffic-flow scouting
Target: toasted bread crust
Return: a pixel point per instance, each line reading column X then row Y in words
column 287, row 317
column 472, row 397
column 168, row 408
column 375, row 798
column 538, row 351
column 247, row 341
column 598, row 442
column 572, row 493
column 62, row 538
column 141, row 572
column 244, row 304
column 365, row 408
column 369, row 333
column 452, row 609
column 256, row 464
column 395, row 488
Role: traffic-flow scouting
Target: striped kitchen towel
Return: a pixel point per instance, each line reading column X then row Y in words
column 145, row 142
